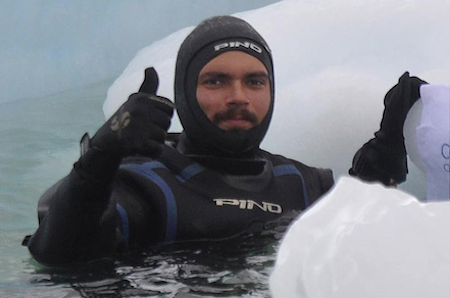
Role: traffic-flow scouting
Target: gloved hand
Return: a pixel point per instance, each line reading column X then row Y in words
column 383, row 158
column 397, row 103
column 138, row 127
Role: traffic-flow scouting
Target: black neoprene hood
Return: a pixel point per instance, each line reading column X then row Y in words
column 208, row 40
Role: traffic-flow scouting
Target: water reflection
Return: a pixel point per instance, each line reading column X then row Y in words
column 237, row 267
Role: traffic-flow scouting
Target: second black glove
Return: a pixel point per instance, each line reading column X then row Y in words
column 383, row 158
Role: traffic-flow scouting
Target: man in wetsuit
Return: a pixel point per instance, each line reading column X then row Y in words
column 134, row 187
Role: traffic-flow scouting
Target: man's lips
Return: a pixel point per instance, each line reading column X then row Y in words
column 237, row 120
column 235, row 124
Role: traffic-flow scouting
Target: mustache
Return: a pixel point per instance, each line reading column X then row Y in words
column 233, row 113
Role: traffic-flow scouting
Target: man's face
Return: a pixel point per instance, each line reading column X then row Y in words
column 233, row 90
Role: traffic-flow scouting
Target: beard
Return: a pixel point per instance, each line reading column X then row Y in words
column 234, row 113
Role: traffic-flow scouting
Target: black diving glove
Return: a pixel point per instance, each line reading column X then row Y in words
column 139, row 127
column 383, row 158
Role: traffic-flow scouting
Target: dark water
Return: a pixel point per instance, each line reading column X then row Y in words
column 233, row 268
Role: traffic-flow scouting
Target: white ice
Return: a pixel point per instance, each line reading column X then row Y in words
column 365, row 240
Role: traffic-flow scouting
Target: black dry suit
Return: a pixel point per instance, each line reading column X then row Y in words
column 207, row 184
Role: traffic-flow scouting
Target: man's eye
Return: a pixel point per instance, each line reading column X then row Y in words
column 255, row 82
column 212, row 82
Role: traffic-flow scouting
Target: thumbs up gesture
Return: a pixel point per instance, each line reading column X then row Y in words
column 140, row 125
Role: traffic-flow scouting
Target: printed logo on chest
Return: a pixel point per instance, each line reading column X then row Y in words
column 249, row 205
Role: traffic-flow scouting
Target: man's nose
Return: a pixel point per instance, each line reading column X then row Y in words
column 237, row 95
